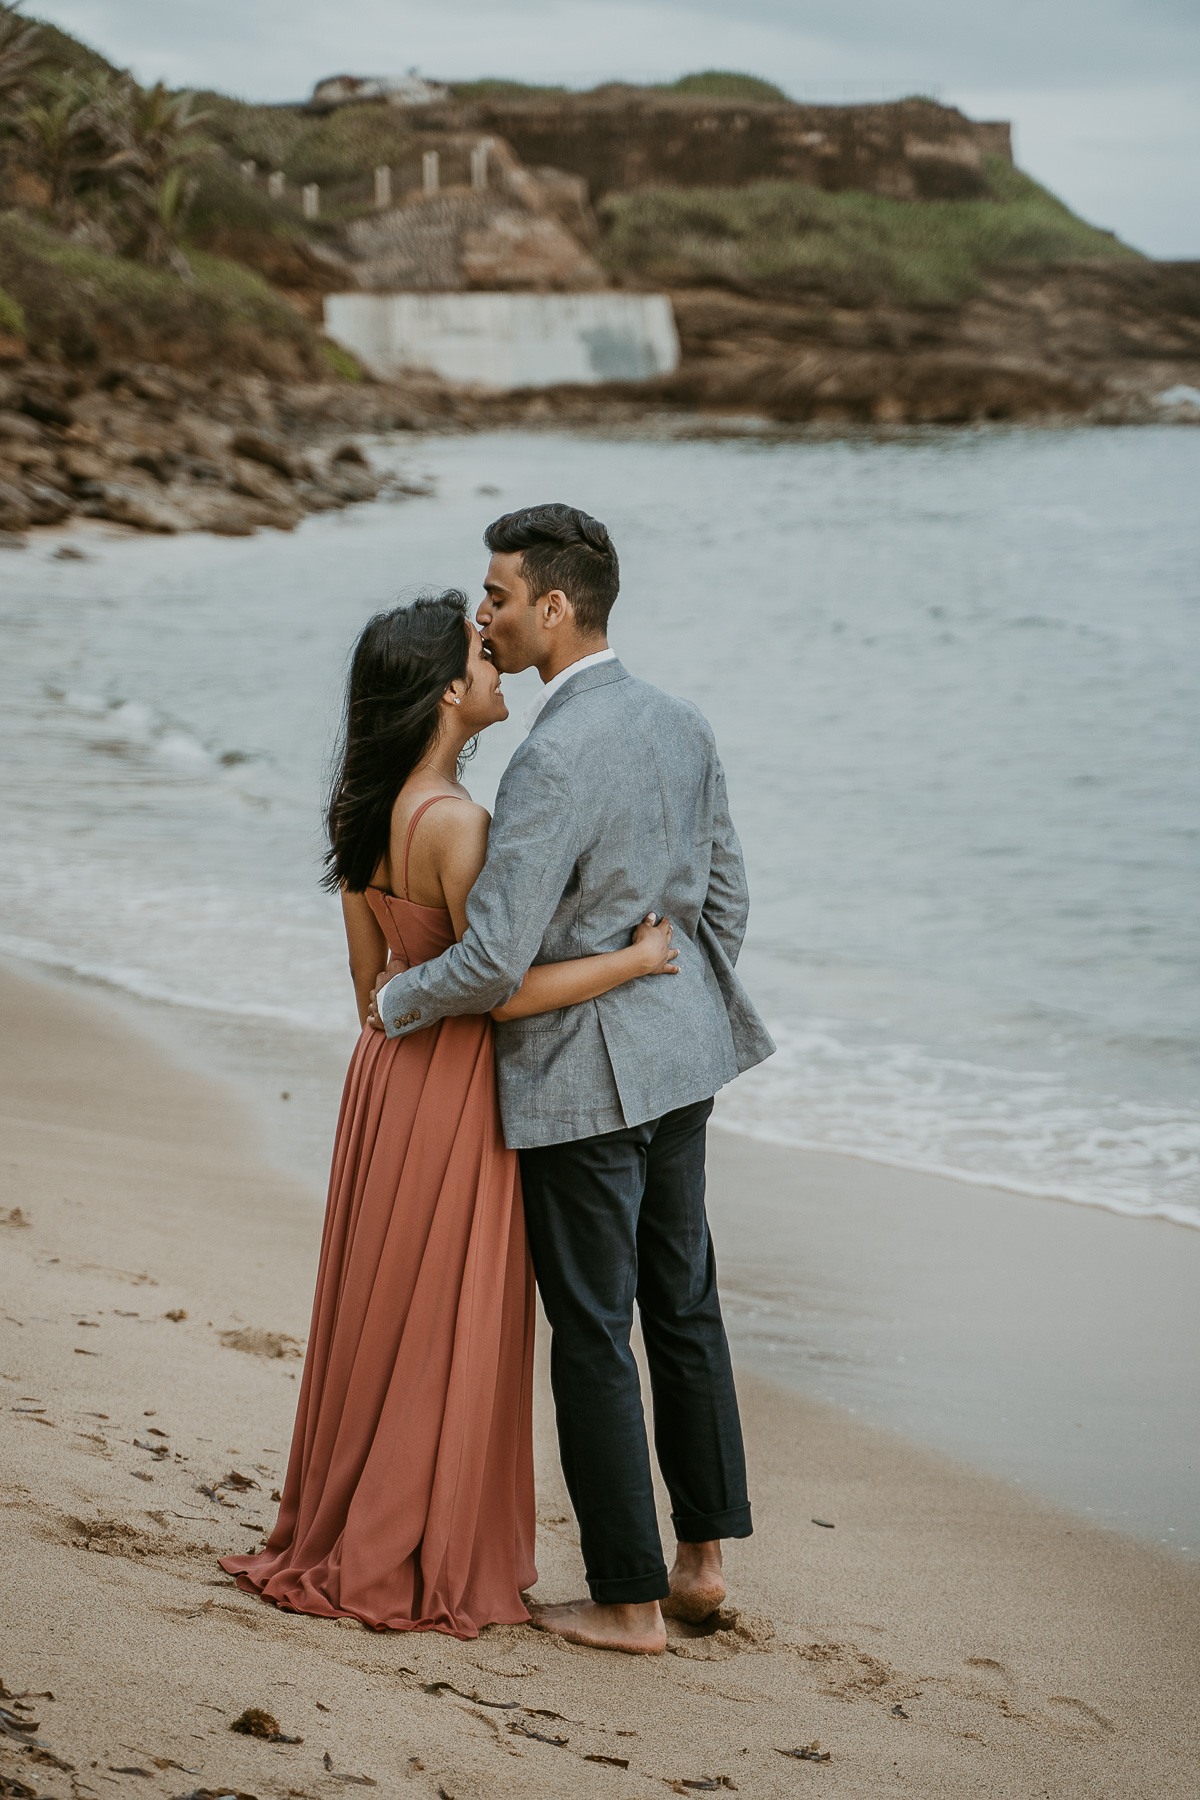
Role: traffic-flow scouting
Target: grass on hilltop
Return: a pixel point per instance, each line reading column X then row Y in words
column 725, row 84
column 80, row 305
column 779, row 238
column 497, row 88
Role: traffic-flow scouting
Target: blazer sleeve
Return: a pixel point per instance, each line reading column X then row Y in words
column 532, row 848
column 727, row 903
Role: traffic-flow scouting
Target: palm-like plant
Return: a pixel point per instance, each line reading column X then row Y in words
column 67, row 133
column 159, row 143
column 19, row 53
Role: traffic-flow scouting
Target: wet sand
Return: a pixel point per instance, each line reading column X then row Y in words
column 1053, row 1344
column 949, row 1636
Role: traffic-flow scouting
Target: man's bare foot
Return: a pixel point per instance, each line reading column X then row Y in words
column 697, row 1584
column 638, row 1630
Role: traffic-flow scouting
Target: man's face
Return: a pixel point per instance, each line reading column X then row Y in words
column 508, row 621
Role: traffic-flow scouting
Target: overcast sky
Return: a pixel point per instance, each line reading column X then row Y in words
column 1104, row 94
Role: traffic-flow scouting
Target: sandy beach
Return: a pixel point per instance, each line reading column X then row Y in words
column 949, row 1636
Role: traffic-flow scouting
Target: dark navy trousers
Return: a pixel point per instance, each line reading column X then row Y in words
column 611, row 1220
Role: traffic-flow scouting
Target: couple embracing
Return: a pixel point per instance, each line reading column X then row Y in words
column 533, row 1080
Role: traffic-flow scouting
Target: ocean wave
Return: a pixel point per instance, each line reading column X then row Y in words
column 1027, row 1132
column 147, row 984
column 137, row 730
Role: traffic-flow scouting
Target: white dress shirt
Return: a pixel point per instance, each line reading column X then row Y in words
column 551, row 688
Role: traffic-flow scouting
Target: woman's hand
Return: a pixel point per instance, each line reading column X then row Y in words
column 381, row 980
column 653, row 939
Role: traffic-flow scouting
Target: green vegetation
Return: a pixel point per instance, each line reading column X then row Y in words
column 81, row 303
column 12, row 318
column 112, row 157
column 223, row 204
column 493, row 89
column 778, row 237
column 724, row 84
column 61, row 51
column 345, row 366
column 329, row 148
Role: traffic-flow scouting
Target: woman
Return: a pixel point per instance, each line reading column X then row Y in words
column 408, row 1502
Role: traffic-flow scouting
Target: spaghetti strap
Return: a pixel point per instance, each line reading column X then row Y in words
column 412, row 826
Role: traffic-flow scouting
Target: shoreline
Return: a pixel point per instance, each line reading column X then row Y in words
column 173, row 458
column 1045, row 1343
column 949, row 1632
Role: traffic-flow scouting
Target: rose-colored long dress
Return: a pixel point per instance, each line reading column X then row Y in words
column 409, row 1496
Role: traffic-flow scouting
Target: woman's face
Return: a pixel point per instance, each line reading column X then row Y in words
column 482, row 702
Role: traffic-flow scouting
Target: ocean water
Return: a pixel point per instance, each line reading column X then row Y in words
column 955, row 682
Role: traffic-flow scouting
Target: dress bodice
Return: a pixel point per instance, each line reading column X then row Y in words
column 414, row 933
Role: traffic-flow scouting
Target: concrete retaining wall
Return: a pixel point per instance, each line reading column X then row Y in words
column 508, row 340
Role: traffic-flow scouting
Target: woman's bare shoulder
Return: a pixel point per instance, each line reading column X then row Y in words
column 466, row 818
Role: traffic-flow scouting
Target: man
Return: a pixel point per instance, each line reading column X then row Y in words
column 614, row 805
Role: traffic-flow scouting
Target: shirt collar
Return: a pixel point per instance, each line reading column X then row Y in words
column 533, row 710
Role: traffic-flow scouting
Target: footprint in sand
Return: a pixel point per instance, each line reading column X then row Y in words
column 1079, row 1718
column 254, row 1342
column 727, row 1632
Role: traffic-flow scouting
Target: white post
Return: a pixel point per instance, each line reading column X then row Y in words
column 312, row 200
column 429, row 171
column 383, row 188
column 479, row 164
column 248, row 170
column 276, row 182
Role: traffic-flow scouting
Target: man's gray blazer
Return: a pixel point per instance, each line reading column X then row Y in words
column 613, row 807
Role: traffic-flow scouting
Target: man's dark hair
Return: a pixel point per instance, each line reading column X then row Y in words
column 563, row 548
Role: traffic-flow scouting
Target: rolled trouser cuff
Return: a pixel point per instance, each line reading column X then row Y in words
column 704, row 1528
column 630, row 1590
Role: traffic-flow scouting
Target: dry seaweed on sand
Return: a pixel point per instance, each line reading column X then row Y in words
column 255, row 1722
column 612, row 1762
column 448, row 1687
column 17, row 1790
column 15, row 1727
column 807, row 1752
column 237, row 1481
column 226, row 1793
column 707, row 1784
column 527, row 1731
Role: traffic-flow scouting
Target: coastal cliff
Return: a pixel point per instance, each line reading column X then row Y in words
column 873, row 265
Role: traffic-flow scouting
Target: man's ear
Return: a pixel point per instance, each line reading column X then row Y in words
column 554, row 609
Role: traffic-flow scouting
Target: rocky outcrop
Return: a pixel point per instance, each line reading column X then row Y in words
column 621, row 138
column 149, row 447
column 1085, row 338
column 526, row 230
column 449, row 242
column 1103, row 342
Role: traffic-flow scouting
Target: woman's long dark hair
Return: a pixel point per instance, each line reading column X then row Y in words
column 403, row 663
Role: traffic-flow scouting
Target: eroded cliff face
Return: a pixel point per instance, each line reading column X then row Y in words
column 1093, row 339
column 622, row 138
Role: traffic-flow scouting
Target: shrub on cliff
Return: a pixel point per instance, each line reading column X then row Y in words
column 82, row 306
column 328, row 148
column 12, row 319
column 777, row 238
column 724, row 84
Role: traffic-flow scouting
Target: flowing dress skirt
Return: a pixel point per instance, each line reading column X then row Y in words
column 409, row 1500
